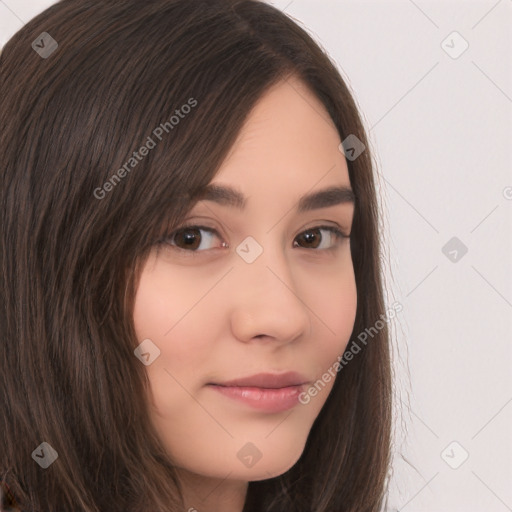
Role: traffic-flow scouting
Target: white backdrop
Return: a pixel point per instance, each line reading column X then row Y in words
column 434, row 84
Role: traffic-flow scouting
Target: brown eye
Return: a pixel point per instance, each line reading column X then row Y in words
column 196, row 239
column 189, row 238
column 312, row 237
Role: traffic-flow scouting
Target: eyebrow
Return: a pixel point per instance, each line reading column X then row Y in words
column 330, row 196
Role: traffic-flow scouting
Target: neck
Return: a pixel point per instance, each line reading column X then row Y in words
column 205, row 494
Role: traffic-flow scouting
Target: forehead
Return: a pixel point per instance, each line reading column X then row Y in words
column 288, row 140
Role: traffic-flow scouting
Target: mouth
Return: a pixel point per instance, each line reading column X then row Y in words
column 266, row 392
column 267, row 381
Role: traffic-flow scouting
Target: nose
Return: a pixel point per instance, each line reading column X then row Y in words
column 266, row 301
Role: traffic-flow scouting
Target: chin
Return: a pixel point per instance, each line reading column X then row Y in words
column 273, row 468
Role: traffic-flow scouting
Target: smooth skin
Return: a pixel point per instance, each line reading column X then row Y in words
column 215, row 317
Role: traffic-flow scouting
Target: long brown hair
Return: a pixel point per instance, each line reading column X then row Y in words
column 83, row 86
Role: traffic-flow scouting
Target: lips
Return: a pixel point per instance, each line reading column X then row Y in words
column 267, row 381
column 265, row 392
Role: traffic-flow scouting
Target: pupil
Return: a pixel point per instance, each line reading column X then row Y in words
column 310, row 237
column 190, row 236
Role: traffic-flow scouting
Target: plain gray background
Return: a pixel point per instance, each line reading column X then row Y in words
column 439, row 116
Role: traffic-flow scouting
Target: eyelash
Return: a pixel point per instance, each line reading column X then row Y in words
column 338, row 233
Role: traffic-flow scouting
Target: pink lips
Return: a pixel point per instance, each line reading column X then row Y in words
column 265, row 392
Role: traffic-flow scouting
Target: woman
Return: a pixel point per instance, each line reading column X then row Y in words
column 189, row 252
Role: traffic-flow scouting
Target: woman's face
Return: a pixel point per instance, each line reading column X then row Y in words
column 281, row 297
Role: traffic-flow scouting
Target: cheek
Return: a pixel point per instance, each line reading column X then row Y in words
column 331, row 296
column 164, row 305
column 166, row 311
column 339, row 305
column 332, row 299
